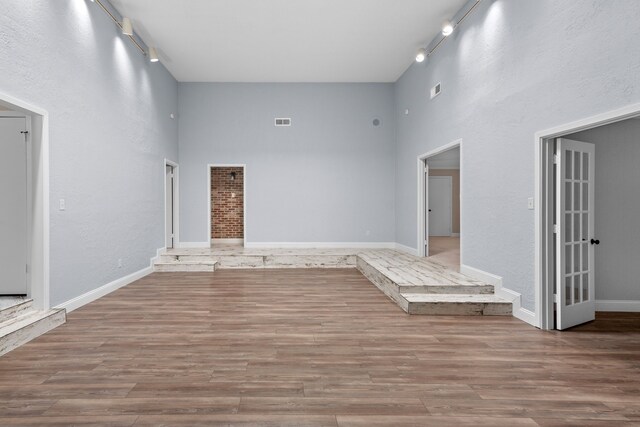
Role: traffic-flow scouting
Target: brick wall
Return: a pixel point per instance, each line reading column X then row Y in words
column 227, row 211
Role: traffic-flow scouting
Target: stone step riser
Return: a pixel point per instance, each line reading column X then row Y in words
column 31, row 331
column 13, row 312
column 178, row 267
column 446, row 289
column 460, row 308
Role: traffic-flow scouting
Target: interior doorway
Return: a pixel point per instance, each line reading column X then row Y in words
column 587, row 236
column 439, row 204
column 227, row 201
column 24, row 212
column 15, row 209
column 171, row 204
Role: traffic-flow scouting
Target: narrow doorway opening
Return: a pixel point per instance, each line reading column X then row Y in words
column 24, row 212
column 227, row 205
column 440, row 208
column 15, row 210
column 588, row 236
column 171, row 204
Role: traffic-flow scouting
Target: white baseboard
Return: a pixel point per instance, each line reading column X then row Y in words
column 319, row 245
column 406, row 249
column 455, row 234
column 519, row 312
column 227, row 241
column 630, row 306
column 94, row 294
column 190, row 245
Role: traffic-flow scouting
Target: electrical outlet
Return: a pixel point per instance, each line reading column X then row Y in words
column 62, row 205
column 120, row 263
column 530, row 203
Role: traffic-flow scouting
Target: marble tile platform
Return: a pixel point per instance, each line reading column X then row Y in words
column 417, row 285
column 20, row 323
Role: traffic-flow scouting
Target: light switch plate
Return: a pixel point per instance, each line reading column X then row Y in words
column 62, row 205
column 530, row 203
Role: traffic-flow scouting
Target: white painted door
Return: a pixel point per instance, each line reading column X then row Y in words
column 440, row 200
column 169, row 208
column 13, row 209
column 575, row 239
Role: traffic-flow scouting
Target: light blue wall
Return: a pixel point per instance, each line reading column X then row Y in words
column 109, row 133
column 327, row 178
column 617, row 207
column 511, row 69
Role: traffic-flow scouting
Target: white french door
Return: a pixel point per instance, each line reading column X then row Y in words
column 575, row 240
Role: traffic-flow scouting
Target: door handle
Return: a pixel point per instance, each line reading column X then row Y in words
column 429, row 210
column 595, row 241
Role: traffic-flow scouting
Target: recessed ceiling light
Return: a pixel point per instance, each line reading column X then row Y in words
column 421, row 55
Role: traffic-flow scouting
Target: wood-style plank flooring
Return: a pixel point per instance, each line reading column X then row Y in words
column 312, row 348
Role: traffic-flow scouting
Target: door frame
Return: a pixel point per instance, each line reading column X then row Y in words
column 244, row 197
column 176, row 202
column 29, row 169
column 423, row 187
column 449, row 179
column 38, row 211
column 545, row 205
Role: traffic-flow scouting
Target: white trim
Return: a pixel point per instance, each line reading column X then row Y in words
column 244, row 197
column 94, row 294
column 406, row 249
column 192, row 245
column 176, row 202
column 422, row 232
column 632, row 306
column 39, row 273
column 540, row 139
column 309, row 245
column 518, row 311
column 227, row 241
column 455, row 234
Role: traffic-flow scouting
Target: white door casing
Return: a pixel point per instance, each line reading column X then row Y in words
column 440, row 199
column 575, row 239
column 13, row 209
column 426, row 208
column 169, row 207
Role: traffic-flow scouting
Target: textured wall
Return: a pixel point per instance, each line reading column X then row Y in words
column 511, row 69
column 617, row 204
column 227, row 205
column 327, row 178
column 109, row 134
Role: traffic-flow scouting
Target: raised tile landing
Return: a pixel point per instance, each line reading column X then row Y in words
column 417, row 285
column 20, row 322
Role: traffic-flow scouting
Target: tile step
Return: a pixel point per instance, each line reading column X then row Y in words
column 28, row 326
column 457, row 304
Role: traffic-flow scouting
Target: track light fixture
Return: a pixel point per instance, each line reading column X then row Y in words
column 153, row 54
column 447, row 28
column 127, row 28
column 421, row 55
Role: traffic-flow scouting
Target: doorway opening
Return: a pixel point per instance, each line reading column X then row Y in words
column 171, row 204
column 24, row 213
column 439, row 205
column 227, row 200
column 587, row 238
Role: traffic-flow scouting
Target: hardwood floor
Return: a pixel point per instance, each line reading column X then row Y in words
column 312, row 348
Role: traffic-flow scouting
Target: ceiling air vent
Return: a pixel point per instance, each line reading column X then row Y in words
column 283, row 121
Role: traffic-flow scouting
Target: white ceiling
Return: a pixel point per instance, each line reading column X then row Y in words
column 287, row 40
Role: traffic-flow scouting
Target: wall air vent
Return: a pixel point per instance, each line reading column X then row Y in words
column 435, row 91
column 283, row 121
